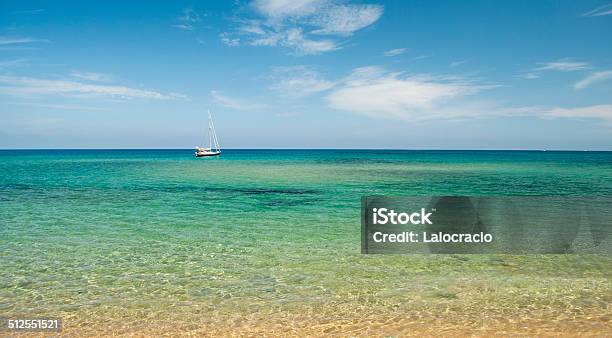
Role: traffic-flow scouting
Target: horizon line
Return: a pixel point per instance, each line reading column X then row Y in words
column 379, row 149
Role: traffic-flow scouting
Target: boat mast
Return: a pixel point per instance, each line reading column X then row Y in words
column 209, row 131
column 214, row 135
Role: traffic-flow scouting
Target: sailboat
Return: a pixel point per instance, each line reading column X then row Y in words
column 212, row 141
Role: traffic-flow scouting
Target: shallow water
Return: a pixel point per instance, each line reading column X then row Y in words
column 105, row 238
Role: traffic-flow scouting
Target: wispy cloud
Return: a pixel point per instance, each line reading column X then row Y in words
column 187, row 19
column 291, row 38
column 186, row 27
column 600, row 11
column 189, row 15
column 29, row 11
column 395, row 52
column 4, row 40
column 16, row 47
column 593, row 78
column 423, row 56
column 560, row 65
column 456, row 63
column 529, row 76
column 300, row 25
column 563, row 65
column 12, row 63
column 285, row 8
column 27, row 86
column 376, row 92
column 596, row 112
column 344, row 20
column 298, row 81
column 233, row 103
column 227, row 40
column 56, row 106
column 91, row 76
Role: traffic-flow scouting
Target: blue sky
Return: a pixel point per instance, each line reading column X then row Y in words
column 307, row 74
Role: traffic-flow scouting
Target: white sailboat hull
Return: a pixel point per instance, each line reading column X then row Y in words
column 207, row 153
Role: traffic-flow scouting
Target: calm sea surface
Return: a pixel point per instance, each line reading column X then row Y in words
column 99, row 235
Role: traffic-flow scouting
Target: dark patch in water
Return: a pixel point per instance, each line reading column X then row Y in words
column 263, row 191
column 288, row 203
column 17, row 186
column 248, row 191
column 358, row 161
column 63, row 190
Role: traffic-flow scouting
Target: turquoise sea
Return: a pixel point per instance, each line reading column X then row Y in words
column 268, row 241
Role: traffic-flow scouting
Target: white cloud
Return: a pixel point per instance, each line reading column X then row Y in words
column 600, row 11
column 18, row 40
column 19, row 48
column 292, row 38
column 326, row 16
column 91, row 76
column 593, row 78
column 252, row 27
column 12, row 63
column 456, row 64
column 563, row 65
column 269, row 39
column 395, row 52
column 598, row 112
column 189, row 15
column 298, row 81
column 186, row 27
column 232, row 42
column 375, row 92
column 301, row 45
column 233, row 103
column 421, row 57
column 27, row 86
column 299, row 24
column 285, row 8
column 529, row 76
column 187, row 19
column 29, row 11
column 56, row 106
column 344, row 20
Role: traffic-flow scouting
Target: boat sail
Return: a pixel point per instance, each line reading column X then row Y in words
column 213, row 143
